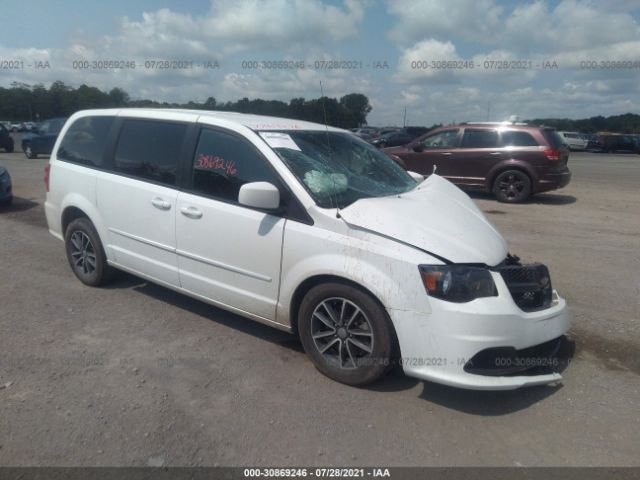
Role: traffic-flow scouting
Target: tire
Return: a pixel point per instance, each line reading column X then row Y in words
column 346, row 333
column 28, row 151
column 6, row 202
column 512, row 186
column 85, row 253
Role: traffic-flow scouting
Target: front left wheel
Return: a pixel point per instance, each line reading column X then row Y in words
column 346, row 333
column 85, row 253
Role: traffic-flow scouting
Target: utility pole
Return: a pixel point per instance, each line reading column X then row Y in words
column 404, row 120
column 488, row 109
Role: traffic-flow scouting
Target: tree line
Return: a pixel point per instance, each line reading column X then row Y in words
column 626, row 123
column 23, row 102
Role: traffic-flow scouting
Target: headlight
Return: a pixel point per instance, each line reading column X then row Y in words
column 457, row 283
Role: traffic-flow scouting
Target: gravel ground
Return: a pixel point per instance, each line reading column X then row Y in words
column 135, row 374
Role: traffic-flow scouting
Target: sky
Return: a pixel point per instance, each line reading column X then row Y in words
column 435, row 59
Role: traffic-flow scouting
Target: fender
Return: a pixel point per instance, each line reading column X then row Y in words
column 82, row 203
column 361, row 259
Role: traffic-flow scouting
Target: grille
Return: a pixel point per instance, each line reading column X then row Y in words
column 529, row 285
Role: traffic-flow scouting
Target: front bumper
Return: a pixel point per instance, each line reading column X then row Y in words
column 438, row 346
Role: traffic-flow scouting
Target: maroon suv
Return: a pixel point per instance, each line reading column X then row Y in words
column 511, row 160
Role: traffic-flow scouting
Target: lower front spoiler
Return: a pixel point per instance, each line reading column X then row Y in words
column 479, row 382
column 437, row 346
column 505, row 368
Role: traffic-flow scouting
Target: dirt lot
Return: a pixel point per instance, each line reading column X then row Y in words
column 135, row 374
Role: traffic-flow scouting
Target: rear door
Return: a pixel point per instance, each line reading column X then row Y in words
column 479, row 151
column 137, row 198
column 228, row 253
column 438, row 149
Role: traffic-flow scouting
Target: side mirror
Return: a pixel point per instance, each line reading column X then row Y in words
column 416, row 176
column 418, row 147
column 261, row 195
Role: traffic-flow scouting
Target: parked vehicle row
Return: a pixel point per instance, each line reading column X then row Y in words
column 311, row 230
column 602, row 142
column 612, row 143
column 18, row 126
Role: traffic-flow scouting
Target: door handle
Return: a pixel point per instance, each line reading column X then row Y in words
column 495, row 153
column 446, row 153
column 191, row 212
column 160, row 203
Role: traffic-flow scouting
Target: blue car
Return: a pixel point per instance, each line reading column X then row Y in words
column 43, row 138
column 6, row 194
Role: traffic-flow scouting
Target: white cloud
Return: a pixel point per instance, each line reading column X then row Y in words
column 467, row 19
column 415, row 63
column 572, row 25
column 569, row 32
column 238, row 25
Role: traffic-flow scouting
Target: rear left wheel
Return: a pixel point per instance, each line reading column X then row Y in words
column 85, row 253
column 346, row 333
column 512, row 186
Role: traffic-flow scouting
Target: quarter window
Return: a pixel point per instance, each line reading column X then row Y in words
column 514, row 138
column 224, row 162
column 85, row 140
column 480, row 139
column 150, row 150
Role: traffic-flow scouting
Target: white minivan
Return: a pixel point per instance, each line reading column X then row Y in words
column 311, row 230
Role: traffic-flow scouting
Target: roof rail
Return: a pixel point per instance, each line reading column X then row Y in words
column 506, row 122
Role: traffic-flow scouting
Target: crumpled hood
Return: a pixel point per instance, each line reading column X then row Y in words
column 437, row 217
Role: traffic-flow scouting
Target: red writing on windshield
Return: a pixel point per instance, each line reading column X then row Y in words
column 213, row 162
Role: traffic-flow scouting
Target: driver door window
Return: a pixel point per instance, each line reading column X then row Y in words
column 445, row 139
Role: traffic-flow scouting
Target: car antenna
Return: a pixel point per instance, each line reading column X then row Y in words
column 326, row 126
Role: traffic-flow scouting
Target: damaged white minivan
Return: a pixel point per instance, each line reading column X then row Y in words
column 308, row 229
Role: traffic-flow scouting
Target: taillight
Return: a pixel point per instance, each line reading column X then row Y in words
column 553, row 154
column 47, row 175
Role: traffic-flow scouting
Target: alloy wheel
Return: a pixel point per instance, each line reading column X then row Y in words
column 342, row 332
column 82, row 253
column 512, row 186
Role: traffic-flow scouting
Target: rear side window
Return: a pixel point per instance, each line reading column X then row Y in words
column 480, row 139
column 85, row 140
column 224, row 162
column 150, row 150
column 514, row 138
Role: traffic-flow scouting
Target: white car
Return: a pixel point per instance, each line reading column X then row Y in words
column 574, row 140
column 308, row 229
